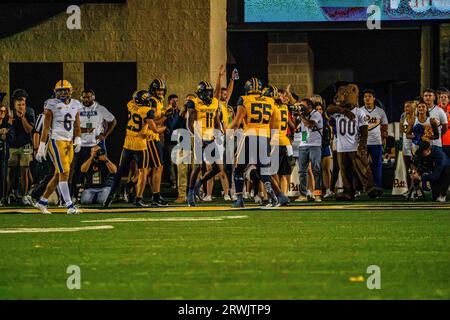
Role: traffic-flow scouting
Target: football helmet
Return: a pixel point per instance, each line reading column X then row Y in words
column 155, row 86
column 205, row 91
column 253, row 85
column 63, row 90
column 270, row 91
column 141, row 98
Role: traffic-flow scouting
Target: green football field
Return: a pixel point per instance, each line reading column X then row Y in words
column 304, row 252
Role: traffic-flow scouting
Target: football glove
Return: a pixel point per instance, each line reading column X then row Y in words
column 77, row 144
column 41, row 152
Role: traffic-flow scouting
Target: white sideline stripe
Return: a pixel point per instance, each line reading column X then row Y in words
column 168, row 219
column 36, row 230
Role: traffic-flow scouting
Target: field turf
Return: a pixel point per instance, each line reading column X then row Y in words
column 289, row 253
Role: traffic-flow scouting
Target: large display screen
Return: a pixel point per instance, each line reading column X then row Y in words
column 343, row 10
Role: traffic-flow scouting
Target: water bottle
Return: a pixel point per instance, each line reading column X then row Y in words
column 236, row 77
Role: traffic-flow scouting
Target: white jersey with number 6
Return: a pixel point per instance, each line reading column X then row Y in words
column 347, row 131
column 63, row 118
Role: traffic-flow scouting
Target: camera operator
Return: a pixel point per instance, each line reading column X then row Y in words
column 310, row 124
column 431, row 164
column 98, row 172
column 6, row 137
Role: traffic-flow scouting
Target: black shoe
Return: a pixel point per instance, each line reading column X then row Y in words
column 141, row 204
column 160, row 202
column 108, row 202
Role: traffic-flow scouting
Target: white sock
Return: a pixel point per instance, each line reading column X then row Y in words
column 65, row 193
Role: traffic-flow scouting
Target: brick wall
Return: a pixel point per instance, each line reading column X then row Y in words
column 291, row 63
column 166, row 38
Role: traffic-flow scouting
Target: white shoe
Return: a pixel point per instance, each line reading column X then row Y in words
column 234, row 197
column 301, row 199
column 73, row 210
column 328, row 194
column 258, row 199
column 309, row 195
column 207, row 199
column 227, row 198
column 441, row 199
column 27, row 200
column 42, row 208
column 245, row 195
column 357, row 194
column 317, row 199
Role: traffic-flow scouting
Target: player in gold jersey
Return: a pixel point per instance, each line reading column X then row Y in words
column 157, row 91
column 257, row 114
column 140, row 118
column 281, row 145
column 204, row 118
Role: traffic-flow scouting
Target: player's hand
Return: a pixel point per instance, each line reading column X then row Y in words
column 94, row 150
column 222, row 71
column 41, row 152
column 77, row 144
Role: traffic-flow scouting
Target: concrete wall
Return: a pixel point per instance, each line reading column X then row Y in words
column 183, row 41
column 291, row 61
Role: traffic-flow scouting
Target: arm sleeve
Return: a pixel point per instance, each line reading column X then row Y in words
column 443, row 117
column 108, row 116
column 384, row 119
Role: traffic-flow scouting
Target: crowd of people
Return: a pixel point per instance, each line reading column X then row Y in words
column 61, row 155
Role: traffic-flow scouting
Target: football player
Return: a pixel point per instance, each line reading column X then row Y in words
column 204, row 117
column 281, row 145
column 140, row 119
column 157, row 91
column 257, row 114
column 62, row 123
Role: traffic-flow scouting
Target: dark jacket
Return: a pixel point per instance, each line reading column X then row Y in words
column 10, row 137
column 431, row 167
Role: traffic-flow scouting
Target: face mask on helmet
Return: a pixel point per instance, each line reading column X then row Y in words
column 62, row 94
column 206, row 95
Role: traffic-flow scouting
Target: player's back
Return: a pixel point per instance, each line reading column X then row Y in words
column 63, row 118
column 259, row 109
column 282, row 125
column 136, row 126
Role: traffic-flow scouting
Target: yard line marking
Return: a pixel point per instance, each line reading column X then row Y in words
column 168, row 219
column 45, row 230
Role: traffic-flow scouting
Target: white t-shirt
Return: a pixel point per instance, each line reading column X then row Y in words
column 347, row 131
column 92, row 118
column 312, row 137
column 64, row 116
column 375, row 118
column 441, row 118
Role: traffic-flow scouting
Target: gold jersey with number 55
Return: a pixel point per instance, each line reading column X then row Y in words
column 258, row 111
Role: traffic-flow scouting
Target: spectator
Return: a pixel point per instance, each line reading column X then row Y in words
column 45, row 169
column 21, row 152
column 171, row 167
column 98, row 172
column 96, row 124
column 444, row 104
column 327, row 159
column 409, row 109
column 431, row 164
column 378, row 132
column 311, row 127
column 6, row 138
column 438, row 114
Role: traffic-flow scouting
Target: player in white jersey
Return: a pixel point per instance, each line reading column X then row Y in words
column 438, row 114
column 62, row 123
column 378, row 131
column 351, row 145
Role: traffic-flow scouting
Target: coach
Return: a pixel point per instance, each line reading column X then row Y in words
column 96, row 124
column 311, row 127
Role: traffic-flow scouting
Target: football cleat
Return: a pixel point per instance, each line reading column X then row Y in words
column 160, row 202
column 140, row 204
column 108, row 201
column 283, row 200
column 42, row 207
column 238, row 203
column 73, row 210
column 301, row 199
